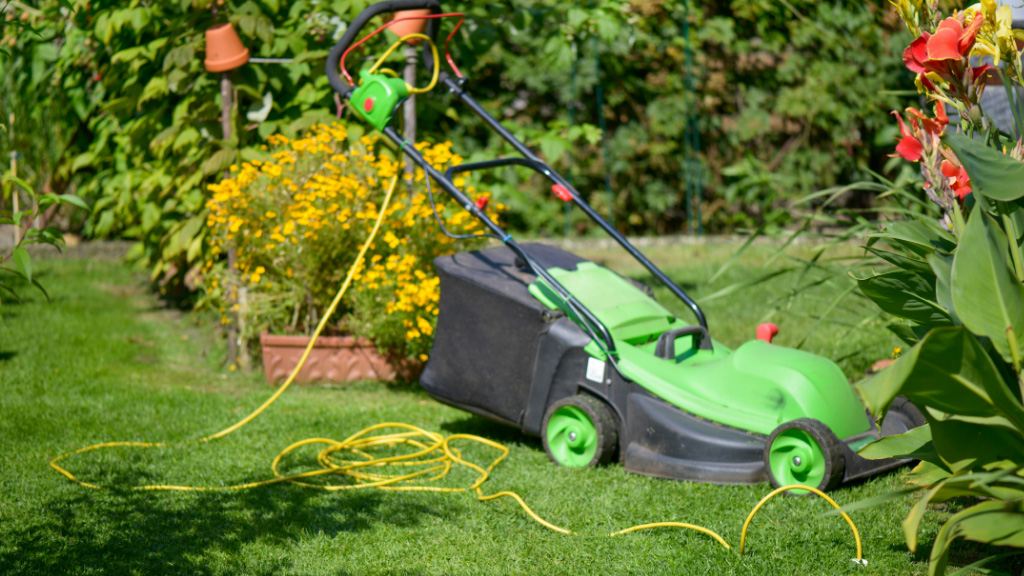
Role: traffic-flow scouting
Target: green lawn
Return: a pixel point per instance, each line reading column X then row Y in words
column 104, row 361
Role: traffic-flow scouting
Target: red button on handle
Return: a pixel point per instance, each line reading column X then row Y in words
column 767, row 331
column 368, row 104
column 561, row 192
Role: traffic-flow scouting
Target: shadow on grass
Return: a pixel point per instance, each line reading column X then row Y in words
column 149, row 533
column 500, row 433
column 7, row 355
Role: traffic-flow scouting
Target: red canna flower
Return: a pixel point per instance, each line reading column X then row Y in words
column 909, row 147
column 945, row 53
column 921, row 133
column 952, row 41
column 959, row 181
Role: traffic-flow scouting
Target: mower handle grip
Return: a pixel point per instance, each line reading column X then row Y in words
column 357, row 25
column 666, row 347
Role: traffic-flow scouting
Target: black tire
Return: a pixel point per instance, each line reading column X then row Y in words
column 787, row 471
column 599, row 416
column 909, row 411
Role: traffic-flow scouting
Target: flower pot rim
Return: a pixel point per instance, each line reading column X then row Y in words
column 301, row 341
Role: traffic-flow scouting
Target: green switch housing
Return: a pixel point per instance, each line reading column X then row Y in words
column 376, row 98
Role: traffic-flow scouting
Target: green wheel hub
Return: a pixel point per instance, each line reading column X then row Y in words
column 796, row 458
column 572, row 437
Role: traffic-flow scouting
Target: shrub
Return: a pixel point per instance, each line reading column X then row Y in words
column 957, row 286
column 295, row 223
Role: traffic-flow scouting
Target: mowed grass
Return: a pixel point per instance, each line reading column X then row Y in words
column 104, row 361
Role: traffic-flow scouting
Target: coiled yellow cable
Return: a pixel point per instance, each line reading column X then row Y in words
column 431, row 456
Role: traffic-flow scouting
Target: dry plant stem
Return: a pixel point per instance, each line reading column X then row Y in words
column 409, row 109
column 243, row 305
column 233, row 333
column 14, row 189
column 237, row 353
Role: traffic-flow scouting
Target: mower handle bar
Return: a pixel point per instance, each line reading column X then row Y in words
column 530, row 159
column 581, row 311
column 497, row 162
column 357, row 25
column 666, row 347
column 556, row 178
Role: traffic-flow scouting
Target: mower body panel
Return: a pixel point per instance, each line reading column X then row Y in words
column 755, row 388
column 504, row 349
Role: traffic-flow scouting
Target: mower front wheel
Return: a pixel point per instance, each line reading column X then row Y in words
column 579, row 431
column 804, row 451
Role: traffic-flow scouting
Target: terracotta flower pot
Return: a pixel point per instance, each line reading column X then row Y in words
column 224, row 49
column 407, row 27
column 334, row 358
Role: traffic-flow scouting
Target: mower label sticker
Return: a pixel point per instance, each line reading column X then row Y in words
column 595, row 370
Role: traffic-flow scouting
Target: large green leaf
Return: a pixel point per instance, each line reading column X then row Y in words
column 912, row 522
column 969, row 443
column 906, row 295
column 942, row 267
column 952, row 487
column 926, row 474
column 23, row 262
column 901, row 261
column 918, row 236
column 992, row 173
column 916, row 443
column 155, row 88
column 993, row 522
column 947, row 370
column 987, row 296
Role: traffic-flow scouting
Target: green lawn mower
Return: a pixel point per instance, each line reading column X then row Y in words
column 538, row 338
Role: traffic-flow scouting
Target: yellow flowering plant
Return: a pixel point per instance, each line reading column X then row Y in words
column 294, row 224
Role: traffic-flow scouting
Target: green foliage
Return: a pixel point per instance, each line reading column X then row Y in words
column 16, row 261
column 791, row 98
column 145, row 114
column 21, row 78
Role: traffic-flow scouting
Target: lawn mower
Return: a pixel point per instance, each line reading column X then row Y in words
column 540, row 339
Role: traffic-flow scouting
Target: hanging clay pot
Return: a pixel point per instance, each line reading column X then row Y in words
column 224, row 49
column 407, row 27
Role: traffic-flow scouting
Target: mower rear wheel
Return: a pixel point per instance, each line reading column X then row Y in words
column 579, row 431
column 804, row 451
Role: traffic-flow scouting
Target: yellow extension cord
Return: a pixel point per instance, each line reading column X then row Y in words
column 431, row 454
column 433, row 50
